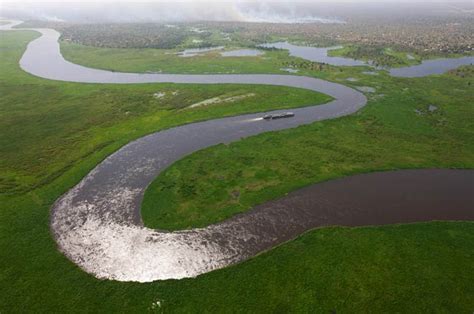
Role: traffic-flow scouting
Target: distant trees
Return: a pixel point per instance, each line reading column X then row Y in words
column 374, row 53
column 126, row 35
column 431, row 37
column 306, row 65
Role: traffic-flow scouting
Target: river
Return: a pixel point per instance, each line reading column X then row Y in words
column 97, row 224
column 427, row 67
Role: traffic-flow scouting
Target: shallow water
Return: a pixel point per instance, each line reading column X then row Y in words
column 242, row 53
column 315, row 54
column 197, row 51
column 430, row 67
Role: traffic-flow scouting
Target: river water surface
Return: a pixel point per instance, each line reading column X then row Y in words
column 427, row 67
column 315, row 54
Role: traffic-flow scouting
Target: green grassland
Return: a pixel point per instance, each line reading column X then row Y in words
column 65, row 129
column 166, row 60
column 385, row 57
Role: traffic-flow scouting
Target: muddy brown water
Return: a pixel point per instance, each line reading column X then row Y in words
column 380, row 198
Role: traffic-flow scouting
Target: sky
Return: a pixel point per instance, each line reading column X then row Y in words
column 274, row 11
column 11, row 2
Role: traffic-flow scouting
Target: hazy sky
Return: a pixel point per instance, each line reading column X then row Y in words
column 9, row 2
column 274, row 11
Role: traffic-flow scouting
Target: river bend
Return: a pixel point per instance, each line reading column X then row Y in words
column 97, row 224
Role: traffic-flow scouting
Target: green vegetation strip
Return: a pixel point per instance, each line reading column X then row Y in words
column 156, row 60
column 379, row 55
column 409, row 268
column 389, row 57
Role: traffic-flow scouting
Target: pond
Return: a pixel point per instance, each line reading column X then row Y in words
column 242, row 53
column 197, row 51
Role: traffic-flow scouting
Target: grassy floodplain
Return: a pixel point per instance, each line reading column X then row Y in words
column 48, row 127
column 64, row 128
column 396, row 130
column 273, row 61
column 166, row 60
column 379, row 55
column 156, row 60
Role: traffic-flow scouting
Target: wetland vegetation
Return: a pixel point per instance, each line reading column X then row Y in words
column 218, row 182
column 55, row 133
column 40, row 127
column 389, row 41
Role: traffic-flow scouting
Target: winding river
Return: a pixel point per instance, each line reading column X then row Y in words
column 425, row 68
column 97, row 224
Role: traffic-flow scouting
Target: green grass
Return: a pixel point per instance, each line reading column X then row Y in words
column 155, row 60
column 406, row 268
column 381, row 56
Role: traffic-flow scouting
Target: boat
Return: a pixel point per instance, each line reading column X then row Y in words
column 278, row 116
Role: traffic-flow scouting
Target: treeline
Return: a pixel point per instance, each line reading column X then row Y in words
column 428, row 36
column 306, row 65
column 126, row 35
column 376, row 54
column 432, row 36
